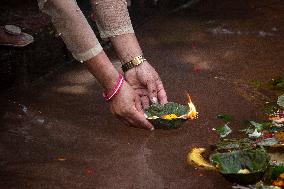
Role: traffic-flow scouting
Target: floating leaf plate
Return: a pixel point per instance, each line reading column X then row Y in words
column 243, row 167
column 167, row 116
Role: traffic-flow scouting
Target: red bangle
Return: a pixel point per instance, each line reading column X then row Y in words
column 110, row 94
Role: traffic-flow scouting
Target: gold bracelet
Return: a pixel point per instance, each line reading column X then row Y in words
column 131, row 64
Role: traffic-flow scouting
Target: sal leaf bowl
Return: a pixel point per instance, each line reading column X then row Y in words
column 168, row 116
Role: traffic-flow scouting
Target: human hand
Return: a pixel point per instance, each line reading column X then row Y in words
column 126, row 106
column 147, row 84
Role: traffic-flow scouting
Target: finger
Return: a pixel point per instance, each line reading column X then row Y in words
column 124, row 121
column 145, row 101
column 140, row 119
column 120, row 118
column 152, row 90
column 141, row 92
column 154, row 100
column 162, row 95
column 130, row 122
column 138, row 104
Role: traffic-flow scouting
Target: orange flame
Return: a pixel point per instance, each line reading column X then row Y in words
column 192, row 113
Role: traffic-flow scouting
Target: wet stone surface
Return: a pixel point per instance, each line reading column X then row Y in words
column 60, row 134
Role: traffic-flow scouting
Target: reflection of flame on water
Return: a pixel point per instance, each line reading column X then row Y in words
column 192, row 113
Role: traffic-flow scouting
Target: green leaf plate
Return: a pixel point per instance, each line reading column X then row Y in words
column 229, row 164
column 155, row 114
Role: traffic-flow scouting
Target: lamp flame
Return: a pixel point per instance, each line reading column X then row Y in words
column 192, row 113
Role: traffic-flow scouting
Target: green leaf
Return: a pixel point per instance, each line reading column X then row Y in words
column 276, row 81
column 277, row 84
column 235, row 144
column 267, row 142
column 257, row 126
column 226, row 118
column 248, row 130
column 273, row 172
column 255, row 134
column 231, row 162
column 280, row 101
column 276, row 171
column 270, row 109
column 169, row 108
column 223, row 131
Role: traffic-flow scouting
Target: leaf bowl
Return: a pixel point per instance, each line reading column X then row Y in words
column 232, row 165
column 168, row 116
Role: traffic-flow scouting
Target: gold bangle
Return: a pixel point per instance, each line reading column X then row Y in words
column 131, row 64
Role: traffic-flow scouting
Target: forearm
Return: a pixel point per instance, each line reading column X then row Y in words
column 126, row 47
column 113, row 21
column 101, row 67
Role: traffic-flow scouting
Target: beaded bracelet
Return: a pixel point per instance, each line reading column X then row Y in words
column 110, row 94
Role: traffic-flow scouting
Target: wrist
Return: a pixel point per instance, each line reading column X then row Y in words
column 136, row 61
column 108, row 95
column 129, row 57
column 103, row 70
column 126, row 46
column 110, row 79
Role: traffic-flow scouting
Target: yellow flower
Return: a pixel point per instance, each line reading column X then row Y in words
column 170, row 116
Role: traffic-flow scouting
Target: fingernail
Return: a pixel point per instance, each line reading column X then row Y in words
column 154, row 100
column 152, row 129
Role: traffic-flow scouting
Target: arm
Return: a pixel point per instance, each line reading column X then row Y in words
column 82, row 42
column 113, row 22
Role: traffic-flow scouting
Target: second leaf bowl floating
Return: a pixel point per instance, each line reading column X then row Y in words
column 245, row 166
column 242, row 166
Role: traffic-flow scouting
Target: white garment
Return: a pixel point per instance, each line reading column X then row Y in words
column 112, row 18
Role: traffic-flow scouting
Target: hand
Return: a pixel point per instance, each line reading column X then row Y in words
column 147, row 84
column 126, row 106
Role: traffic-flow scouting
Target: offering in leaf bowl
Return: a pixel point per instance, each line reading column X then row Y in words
column 170, row 115
column 242, row 166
